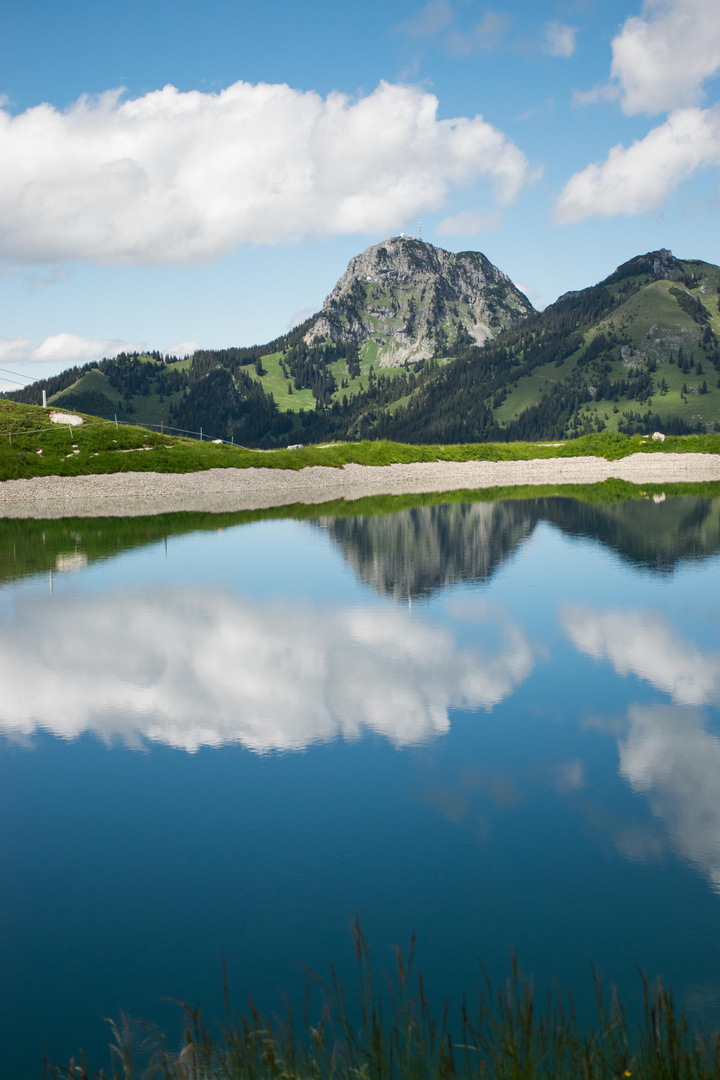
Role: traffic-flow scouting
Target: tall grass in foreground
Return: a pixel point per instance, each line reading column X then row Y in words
column 393, row 1035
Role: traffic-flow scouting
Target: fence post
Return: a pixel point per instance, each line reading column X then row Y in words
column 116, row 427
column 201, row 435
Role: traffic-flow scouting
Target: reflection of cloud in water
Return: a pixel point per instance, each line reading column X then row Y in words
column 570, row 777
column 639, row 843
column 665, row 753
column 192, row 668
column 643, row 644
column 669, row 756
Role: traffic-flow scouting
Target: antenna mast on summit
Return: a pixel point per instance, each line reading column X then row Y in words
column 419, row 228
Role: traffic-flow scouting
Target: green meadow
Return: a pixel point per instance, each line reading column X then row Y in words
column 31, row 445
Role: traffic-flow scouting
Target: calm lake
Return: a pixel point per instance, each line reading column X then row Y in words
column 493, row 723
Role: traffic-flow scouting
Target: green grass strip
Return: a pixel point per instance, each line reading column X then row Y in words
column 30, row 445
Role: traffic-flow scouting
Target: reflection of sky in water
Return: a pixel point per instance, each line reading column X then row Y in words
column 643, row 643
column 532, row 761
column 191, row 667
column 668, row 755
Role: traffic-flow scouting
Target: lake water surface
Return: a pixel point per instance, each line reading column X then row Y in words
column 494, row 723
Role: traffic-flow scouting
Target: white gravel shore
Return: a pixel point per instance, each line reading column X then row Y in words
column 133, row 494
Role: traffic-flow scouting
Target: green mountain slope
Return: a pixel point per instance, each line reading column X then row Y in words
column 399, row 307
column 635, row 353
column 92, row 393
column 415, row 344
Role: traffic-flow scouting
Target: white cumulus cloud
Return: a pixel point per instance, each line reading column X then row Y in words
column 190, row 667
column 69, row 348
column 16, row 349
column 643, row 644
column 181, row 178
column 661, row 61
column 662, row 57
column 60, row 348
column 639, row 178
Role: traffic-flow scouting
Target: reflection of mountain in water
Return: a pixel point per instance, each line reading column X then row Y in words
column 415, row 552
column 408, row 553
column 655, row 536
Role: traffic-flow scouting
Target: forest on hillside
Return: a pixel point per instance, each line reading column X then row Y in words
column 439, row 400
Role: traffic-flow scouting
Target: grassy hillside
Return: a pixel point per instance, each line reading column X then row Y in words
column 653, row 328
column 31, row 445
column 94, row 393
column 636, row 353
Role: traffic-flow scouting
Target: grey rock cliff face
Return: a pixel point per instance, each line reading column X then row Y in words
column 406, row 300
column 665, row 265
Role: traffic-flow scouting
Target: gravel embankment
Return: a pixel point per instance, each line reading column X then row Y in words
column 134, row 494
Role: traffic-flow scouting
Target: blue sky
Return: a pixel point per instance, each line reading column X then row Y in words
column 178, row 174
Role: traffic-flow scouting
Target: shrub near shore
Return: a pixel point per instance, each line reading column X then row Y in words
column 32, row 445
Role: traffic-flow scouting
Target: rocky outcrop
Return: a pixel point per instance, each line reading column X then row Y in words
column 656, row 265
column 664, row 264
column 406, row 300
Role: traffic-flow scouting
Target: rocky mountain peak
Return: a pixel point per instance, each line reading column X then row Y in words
column 406, row 300
column 658, row 265
column 664, row 263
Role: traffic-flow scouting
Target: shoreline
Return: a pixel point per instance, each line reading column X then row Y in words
column 142, row 494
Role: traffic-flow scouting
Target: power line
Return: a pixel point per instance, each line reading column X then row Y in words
column 123, row 423
column 18, row 373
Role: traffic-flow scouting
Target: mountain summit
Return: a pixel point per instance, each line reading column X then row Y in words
column 406, row 300
column 417, row 344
